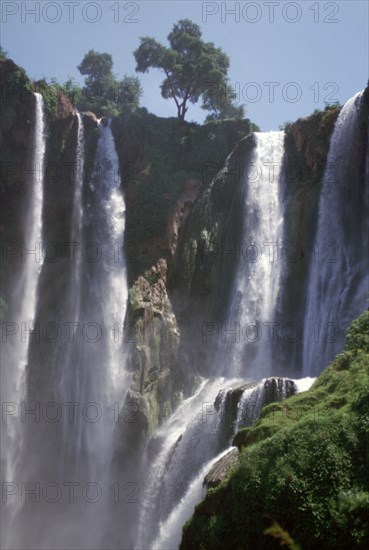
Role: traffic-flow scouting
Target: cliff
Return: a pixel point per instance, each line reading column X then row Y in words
column 166, row 165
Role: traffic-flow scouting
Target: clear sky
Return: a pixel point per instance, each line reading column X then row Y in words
column 286, row 58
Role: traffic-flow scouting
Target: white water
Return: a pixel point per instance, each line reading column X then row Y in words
column 258, row 275
column 249, row 405
column 15, row 350
column 99, row 373
column 253, row 399
column 339, row 279
column 170, row 532
column 197, row 423
column 83, row 370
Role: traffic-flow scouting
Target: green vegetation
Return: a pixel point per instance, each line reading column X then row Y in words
column 103, row 94
column 193, row 69
column 17, row 89
column 304, row 465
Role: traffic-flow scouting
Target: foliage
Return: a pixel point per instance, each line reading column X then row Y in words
column 276, row 531
column 193, row 68
column 51, row 90
column 17, row 90
column 358, row 335
column 103, row 94
column 304, row 463
column 222, row 103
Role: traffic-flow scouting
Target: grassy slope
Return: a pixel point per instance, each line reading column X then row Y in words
column 304, row 464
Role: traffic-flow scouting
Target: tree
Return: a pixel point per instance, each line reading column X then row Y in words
column 191, row 66
column 98, row 69
column 222, row 103
column 103, row 93
column 129, row 92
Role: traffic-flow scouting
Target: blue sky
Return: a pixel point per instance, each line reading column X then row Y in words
column 286, row 58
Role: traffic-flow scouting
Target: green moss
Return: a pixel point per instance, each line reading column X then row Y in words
column 304, row 464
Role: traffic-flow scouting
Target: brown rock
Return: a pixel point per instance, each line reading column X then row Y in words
column 181, row 212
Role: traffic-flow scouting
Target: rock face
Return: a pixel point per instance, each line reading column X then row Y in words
column 65, row 107
column 162, row 164
column 221, row 469
column 182, row 211
column 156, row 381
column 201, row 277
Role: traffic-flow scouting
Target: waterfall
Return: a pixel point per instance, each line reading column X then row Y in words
column 338, row 280
column 86, row 371
column 23, row 305
column 79, row 371
column 258, row 273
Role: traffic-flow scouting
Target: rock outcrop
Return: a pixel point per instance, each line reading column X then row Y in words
column 221, row 469
column 156, row 381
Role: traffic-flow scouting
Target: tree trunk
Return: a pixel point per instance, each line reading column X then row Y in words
column 182, row 110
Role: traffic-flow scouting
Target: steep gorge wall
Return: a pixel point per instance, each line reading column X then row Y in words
column 165, row 166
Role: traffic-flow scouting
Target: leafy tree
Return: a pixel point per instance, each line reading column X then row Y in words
column 191, row 66
column 129, row 92
column 222, row 102
column 103, row 93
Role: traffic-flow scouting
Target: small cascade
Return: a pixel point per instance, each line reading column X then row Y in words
column 339, row 272
column 249, row 406
column 258, row 276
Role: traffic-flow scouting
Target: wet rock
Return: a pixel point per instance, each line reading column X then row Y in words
column 221, row 468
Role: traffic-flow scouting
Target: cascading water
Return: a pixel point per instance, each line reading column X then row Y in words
column 23, row 300
column 258, row 274
column 85, row 372
column 188, row 442
column 170, row 531
column 339, row 279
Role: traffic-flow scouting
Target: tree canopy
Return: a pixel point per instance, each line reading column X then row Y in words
column 193, row 68
column 103, row 93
